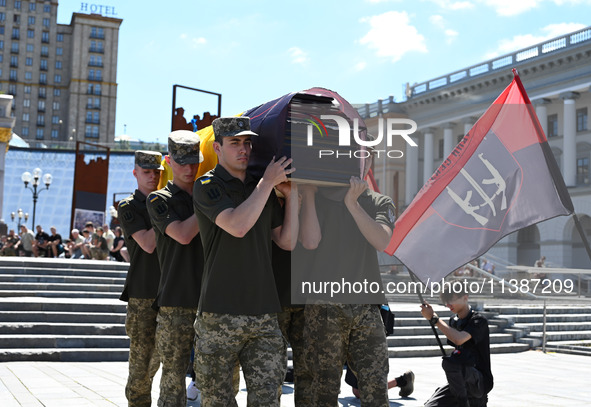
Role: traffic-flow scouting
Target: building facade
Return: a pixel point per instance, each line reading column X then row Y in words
column 557, row 77
column 63, row 77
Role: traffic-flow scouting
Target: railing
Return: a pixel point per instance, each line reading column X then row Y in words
column 539, row 50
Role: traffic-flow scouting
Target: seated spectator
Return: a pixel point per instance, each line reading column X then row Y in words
column 41, row 242
column 74, row 246
column 118, row 245
column 10, row 244
column 25, row 245
column 87, row 233
column 109, row 236
column 98, row 247
column 55, row 246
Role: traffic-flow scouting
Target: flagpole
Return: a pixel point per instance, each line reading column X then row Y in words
column 413, row 278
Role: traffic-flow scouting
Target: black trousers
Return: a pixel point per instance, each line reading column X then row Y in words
column 465, row 384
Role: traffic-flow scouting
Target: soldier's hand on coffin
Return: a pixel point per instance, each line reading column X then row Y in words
column 357, row 187
column 277, row 171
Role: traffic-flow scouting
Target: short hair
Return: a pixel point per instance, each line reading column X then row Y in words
column 451, row 291
column 75, row 231
column 89, row 223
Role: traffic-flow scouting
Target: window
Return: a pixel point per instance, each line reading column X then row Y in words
column 88, row 117
column 58, row 64
column 41, row 120
column 16, row 18
column 32, row 6
column 46, row 22
column 14, row 61
column 97, row 32
column 91, row 74
column 17, row 4
column 3, row 3
column 97, row 103
column 25, row 131
column 44, row 51
column 45, row 37
column 28, row 76
column 582, row 119
column 29, row 61
column 30, row 33
column 43, row 94
column 60, row 38
column 31, row 20
column 16, row 33
column 92, row 131
column 57, row 92
column 41, row 106
column 583, row 170
column 2, row 29
column 27, row 89
column 2, row 16
column 13, row 75
column 47, row 8
column 14, row 47
column 30, row 48
column 39, row 135
column 56, row 105
column 43, row 65
column 96, row 117
column 12, row 89
column 1, row 44
column 59, row 51
column 26, row 102
column 99, row 75
column 97, row 89
column 25, row 117
column 43, row 78
column 54, row 133
column 552, row 125
column 55, row 119
column 57, row 78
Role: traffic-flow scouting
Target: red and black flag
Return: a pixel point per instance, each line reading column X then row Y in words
column 500, row 178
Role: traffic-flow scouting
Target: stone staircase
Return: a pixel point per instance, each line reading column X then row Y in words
column 568, row 327
column 62, row 310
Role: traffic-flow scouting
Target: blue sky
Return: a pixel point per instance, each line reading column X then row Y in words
column 254, row 51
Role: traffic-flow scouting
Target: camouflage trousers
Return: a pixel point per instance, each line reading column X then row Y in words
column 353, row 333
column 291, row 321
column 174, row 339
column 140, row 326
column 254, row 341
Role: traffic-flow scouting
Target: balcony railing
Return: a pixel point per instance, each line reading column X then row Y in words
column 97, row 50
column 97, row 36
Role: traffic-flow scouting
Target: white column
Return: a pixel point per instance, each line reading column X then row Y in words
column 411, row 169
column 448, row 139
column 569, row 148
column 542, row 113
column 428, row 154
column 468, row 123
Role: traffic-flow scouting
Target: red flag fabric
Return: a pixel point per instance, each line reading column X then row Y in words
column 500, row 178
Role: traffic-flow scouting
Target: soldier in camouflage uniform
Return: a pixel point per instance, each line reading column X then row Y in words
column 141, row 284
column 180, row 254
column 238, row 216
column 345, row 226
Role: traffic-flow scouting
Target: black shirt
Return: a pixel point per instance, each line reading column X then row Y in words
column 181, row 265
column 477, row 349
column 143, row 275
column 238, row 275
column 42, row 237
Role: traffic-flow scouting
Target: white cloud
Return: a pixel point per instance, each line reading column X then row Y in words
column 360, row 66
column 437, row 21
column 392, row 36
column 512, row 7
column 298, row 56
column 518, row 42
column 450, row 35
column 193, row 41
column 453, row 5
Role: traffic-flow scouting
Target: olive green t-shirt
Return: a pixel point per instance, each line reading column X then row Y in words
column 181, row 265
column 238, row 276
column 143, row 275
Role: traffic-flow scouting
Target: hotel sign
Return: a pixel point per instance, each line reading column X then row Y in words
column 98, row 9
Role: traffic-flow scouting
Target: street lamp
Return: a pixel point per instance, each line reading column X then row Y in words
column 20, row 216
column 27, row 178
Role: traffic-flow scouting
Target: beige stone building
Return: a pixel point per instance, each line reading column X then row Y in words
column 557, row 77
column 63, row 77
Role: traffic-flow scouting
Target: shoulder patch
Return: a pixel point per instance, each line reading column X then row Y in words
column 160, row 205
column 205, row 180
column 214, row 192
column 123, row 203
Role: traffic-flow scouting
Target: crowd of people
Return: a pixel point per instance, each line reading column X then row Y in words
column 209, row 276
column 98, row 243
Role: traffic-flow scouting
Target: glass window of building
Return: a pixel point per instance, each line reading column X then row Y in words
column 32, row 6
column 54, row 133
column 47, row 8
column 39, row 134
column 1, row 44
column 25, row 117
column 26, row 102
column 27, row 89
column 582, row 119
column 13, row 75
column 2, row 16
column 16, row 33
column 16, row 18
column 91, row 74
column 3, row 3
column 44, row 51
column 59, row 51
column 45, row 37
column 14, row 47
column 97, row 103
column 96, row 117
column 17, row 4
column 55, row 119
column 28, row 76
column 583, row 171
column 97, row 89
column 43, row 65
column 14, row 61
column 31, row 20
column 552, row 125
column 12, row 89
column 98, row 75
column 29, row 61
column 57, row 92
column 2, row 29
column 57, row 78
column 60, row 37
column 43, row 93
column 88, row 117
column 30, row 33
column 30, row 47
column 43, row 78
column 58, row 64
column 25, row 131
column 41, row 105
column 56, row 105
column 89, row 103
column 46, row 22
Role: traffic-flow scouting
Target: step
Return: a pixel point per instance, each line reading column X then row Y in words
column 90, row 305
column 423, row 340
column 537, row 309
column 48, row 328
column 63, row 271
column 45, row 316
column 63, row 341
column 554, row 326
column 422, row 351
column 42, row 278
column 532, row 318
column 426, row 329
column 62, row 287
column 562, row 336
column 50, row 263
column 60, row 294
column 65, row 355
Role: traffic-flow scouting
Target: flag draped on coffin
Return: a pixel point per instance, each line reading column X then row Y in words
column 500, row 178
